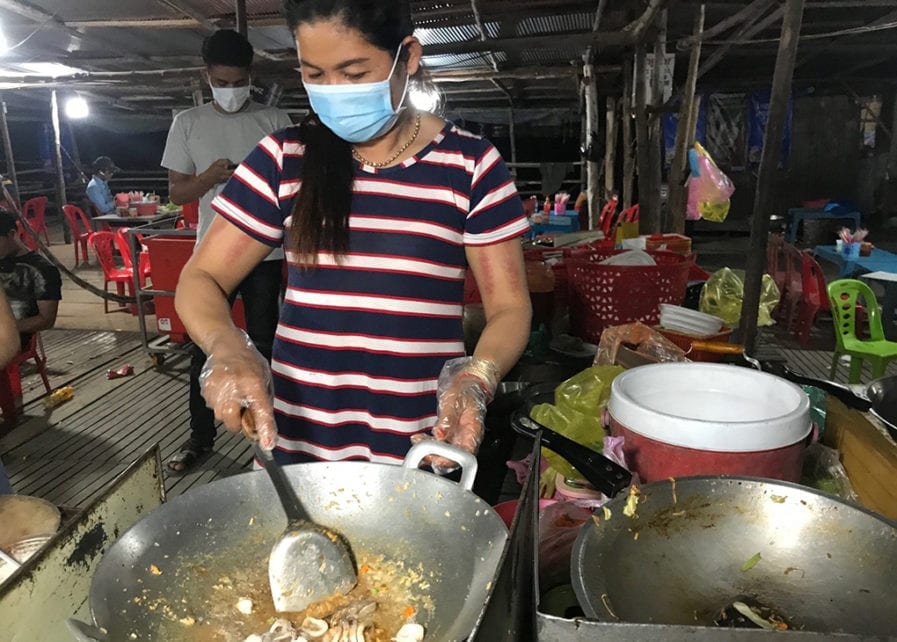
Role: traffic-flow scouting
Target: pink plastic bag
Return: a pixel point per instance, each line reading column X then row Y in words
column 709, row 189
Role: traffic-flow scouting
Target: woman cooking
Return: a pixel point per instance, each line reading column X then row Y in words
column 381, row 209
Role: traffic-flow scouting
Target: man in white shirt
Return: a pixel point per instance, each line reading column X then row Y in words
column 204, row 146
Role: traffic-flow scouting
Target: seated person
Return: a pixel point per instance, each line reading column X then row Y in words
column 32, row 284
column 98, row 188
column 9, row 348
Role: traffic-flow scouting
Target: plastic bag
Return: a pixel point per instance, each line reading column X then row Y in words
column 631, row 257
column 823, row 471
column 576, row 413
column 647, row 342
column 559, row 525
column 724, row 291
column 709, row 189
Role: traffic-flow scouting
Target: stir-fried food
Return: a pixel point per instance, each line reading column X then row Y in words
column 351, row 623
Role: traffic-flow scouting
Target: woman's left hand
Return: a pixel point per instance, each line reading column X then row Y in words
column 466, row 386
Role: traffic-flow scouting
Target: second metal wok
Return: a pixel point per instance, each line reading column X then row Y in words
column 696, row 545
column 181, row 567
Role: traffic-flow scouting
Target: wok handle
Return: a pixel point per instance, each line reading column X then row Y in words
column 717, row 347
column 85, row 632
column 844, row 394
column 288, row 498
column 605, row 475
column 466, row 460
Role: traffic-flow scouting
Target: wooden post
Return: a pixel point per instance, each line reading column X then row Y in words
column 7, row 150
column 685, row 130
column 892, row 156
column 593, row 169
column 242, row 22
column 769, row 159
column 628, row 151
column 642, row 141
column 512, row 133
column 197, row 93
column 610, row 147
column 655, row 222
column 61, row 198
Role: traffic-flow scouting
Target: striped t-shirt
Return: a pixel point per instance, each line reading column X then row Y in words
column 360, row 345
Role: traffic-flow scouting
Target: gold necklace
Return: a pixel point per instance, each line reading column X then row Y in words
column 392, row 159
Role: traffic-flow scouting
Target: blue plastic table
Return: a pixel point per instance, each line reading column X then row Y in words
column 877, row 261
column 798, row 214
column 556, row 225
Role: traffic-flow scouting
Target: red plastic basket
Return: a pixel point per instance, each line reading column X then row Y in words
column 607, row 295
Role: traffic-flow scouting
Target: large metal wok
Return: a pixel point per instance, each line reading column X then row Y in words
column 698, row 544
column 163, row 571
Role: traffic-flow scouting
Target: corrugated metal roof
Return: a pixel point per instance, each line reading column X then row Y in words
column 104, row 9
column 463, row 61
column 545, row 56
column 458, row 33
column 556, row 24
column 226, row 7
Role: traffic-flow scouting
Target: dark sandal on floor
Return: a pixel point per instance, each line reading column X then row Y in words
column 188, row 456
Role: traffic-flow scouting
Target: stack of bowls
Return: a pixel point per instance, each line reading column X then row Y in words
column 686, row 321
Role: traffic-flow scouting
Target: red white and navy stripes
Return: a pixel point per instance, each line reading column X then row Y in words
column 362, row 338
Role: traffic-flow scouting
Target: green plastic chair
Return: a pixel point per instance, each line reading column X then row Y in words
column 878, row 351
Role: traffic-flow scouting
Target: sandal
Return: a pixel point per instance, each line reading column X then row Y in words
column 188, row 456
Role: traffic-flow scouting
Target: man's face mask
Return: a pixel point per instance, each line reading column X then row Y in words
column 358, row 112
column 231, row 99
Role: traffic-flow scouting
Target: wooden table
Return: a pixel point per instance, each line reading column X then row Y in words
column 115, row 220
column 798, row 214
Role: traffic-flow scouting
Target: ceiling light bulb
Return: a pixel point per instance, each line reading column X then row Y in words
column 424, row 100
column 76, row 108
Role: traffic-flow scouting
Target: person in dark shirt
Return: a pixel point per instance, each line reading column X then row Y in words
column 32, row 284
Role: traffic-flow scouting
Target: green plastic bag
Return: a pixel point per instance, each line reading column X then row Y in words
column 724, row 291
column 576, row 413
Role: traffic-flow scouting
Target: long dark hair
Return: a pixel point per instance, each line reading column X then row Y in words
column 320, row 217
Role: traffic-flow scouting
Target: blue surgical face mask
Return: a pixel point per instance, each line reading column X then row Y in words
column 359, row 112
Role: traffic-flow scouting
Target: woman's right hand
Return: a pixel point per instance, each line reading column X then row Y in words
column 236, row 380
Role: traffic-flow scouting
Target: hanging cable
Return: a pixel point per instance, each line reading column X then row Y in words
column 853, row 31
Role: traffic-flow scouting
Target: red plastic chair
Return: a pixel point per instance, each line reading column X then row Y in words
column 11, row 377
column 792, row 291
column 124, row 248
column 27, row 240
column 606, row 218
column 813, row 293
column 775, row 260
column 34, row 210
column 102, row 244
column 77, row 219
column 629, row 215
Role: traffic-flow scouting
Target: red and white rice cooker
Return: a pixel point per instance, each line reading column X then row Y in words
column 687, row 419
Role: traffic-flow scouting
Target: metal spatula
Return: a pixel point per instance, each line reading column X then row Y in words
column 310, row 562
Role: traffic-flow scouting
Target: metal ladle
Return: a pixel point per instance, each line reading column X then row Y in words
column 309, row 562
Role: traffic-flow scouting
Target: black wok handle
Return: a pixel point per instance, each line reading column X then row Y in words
column 842, row 392
column 602, row 473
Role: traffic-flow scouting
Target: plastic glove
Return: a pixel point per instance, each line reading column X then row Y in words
column 466, row 386
column 236, row 384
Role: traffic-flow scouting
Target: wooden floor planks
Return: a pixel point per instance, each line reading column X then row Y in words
column 70, row 454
